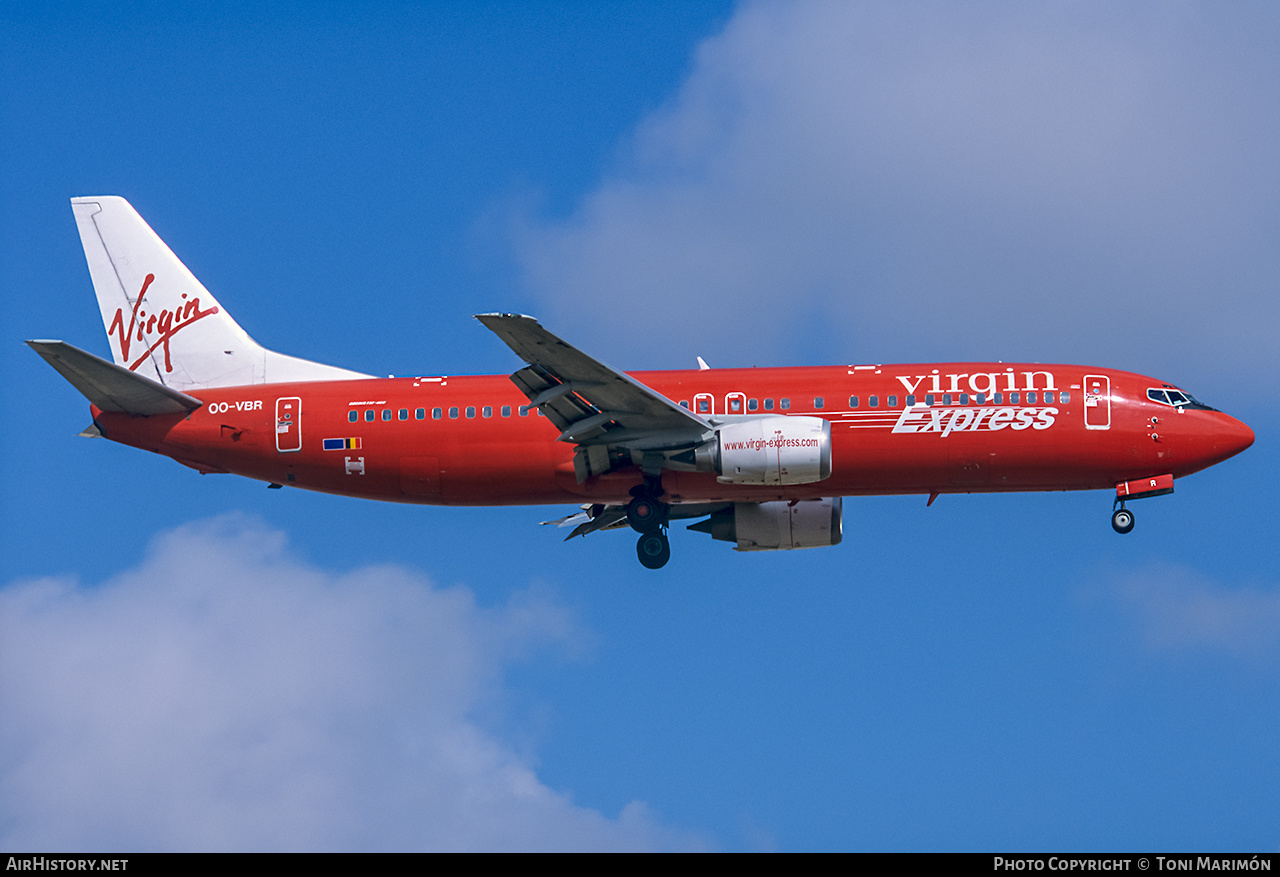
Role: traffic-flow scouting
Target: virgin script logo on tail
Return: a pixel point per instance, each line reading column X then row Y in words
column 169, row 322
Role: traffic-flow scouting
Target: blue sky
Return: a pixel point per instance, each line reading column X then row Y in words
column 194, row 662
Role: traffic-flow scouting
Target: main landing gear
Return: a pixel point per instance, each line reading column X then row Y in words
column 1122, row 520
column 654, row 550
column 647, row 515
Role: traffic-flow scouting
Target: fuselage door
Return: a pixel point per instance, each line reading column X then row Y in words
column 1097, row 402
column 735, row 403
column 704, row 403
column 288, row 424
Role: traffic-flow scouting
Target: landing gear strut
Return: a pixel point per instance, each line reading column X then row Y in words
column 647, row 515
column 1122, row 520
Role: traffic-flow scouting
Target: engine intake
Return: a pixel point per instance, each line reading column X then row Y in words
column 773, row 450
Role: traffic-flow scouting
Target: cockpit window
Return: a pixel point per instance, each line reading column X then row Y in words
column 1176, row 398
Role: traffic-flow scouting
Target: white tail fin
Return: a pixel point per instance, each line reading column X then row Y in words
column 160, row 320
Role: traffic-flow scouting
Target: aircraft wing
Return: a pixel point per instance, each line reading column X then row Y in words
column 614, row 516
column 592, row 404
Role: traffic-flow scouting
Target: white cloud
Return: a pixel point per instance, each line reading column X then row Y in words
column 995, row 180
column 226, row 696
column 1181, row 608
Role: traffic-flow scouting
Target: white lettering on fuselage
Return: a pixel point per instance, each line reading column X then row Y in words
column 944, row 421
column 985, row 383
column 224, row 407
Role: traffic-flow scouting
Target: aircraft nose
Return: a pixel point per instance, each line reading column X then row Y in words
column 1230, row 437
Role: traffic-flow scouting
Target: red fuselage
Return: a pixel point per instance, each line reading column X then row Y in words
column 895, row 429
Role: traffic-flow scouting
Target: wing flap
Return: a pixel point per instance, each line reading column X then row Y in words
column 614, row 516
column 112, row 387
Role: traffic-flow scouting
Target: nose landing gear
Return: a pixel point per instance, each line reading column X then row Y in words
column 1122, row 520
column 1139, row 488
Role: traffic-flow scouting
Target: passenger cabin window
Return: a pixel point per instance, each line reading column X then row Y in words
column 928, row 398
column 785, row 404
column 419, row 413
column 471, row 411
column 404, row 414
column 768, row 404
column 753, row 404
column 998, row 398
column 486, row 411
column 524, row 410
column 353, row 416
column 1013, row 398
column 735, row 404
column 453, row 413
column 684, row 403
column 1048, row 398
column 386, row 413
column 853, row 401
column 964, row 398
column 1031, row 398
column 435, row 413
column 980, row 398
column 704, row 406
column 873, row 401
column 506, row 410
column 369, row 415
column 946, row 398
column 911, row 401
column 1064, row 397
column 893, row 401
column 817, row 402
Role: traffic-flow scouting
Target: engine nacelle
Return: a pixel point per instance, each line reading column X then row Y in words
column 775, row 526
column 773, row 450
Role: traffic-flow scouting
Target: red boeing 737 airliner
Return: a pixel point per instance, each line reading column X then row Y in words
column 763, row 456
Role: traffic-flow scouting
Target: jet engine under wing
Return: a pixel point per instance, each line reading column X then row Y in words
column 592, row 404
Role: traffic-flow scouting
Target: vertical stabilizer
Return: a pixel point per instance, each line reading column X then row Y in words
column 161, row 321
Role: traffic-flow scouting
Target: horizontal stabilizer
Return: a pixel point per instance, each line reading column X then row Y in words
column 112, row 387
